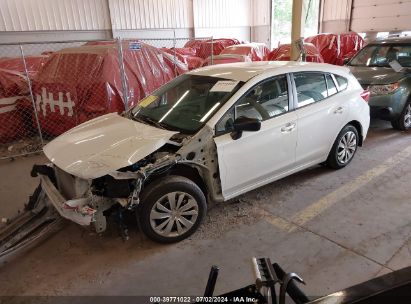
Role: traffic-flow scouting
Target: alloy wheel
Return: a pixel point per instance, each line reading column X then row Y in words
column 346, row 147
column 174, row 214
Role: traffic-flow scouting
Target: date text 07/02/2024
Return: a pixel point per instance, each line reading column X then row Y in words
column 160, row 300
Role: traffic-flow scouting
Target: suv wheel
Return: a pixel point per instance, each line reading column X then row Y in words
column 404, row 121
column 171, row 209
column 344, row 148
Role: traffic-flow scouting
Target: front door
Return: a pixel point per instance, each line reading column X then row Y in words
column 256, row 158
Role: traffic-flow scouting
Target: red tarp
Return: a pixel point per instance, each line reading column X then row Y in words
column 33, row 63
column 256, row 51
column 335, row 48
column 283, row 53
column 187, row 56
column 14, row 90
column 78, row 84
column 203, row 47
column 228, row 58
column 178, row 66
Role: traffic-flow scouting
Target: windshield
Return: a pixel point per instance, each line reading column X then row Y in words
column 382, row 55
column 186, row 103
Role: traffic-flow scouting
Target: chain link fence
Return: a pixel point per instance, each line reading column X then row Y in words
column 47, row 88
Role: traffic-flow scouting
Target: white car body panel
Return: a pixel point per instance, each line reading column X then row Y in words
column 319, row 124
column 245, row 166
column 103, row 145
column 244, row 71
column 256, row 156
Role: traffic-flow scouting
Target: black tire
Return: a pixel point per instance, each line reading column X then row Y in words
column 333, row 160
column 400, row 123
column 156, row 192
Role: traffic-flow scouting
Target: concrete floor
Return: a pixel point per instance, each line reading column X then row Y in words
column 334, row 228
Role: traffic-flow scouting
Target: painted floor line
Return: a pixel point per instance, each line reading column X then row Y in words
column 330, row 199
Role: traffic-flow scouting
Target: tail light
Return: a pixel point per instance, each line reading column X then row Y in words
column 366, row 95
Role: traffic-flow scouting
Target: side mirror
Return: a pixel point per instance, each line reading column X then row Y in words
column 245, row 124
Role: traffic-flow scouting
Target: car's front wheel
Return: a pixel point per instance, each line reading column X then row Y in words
column 404, row 121
column 171, row 209
column 344, row 148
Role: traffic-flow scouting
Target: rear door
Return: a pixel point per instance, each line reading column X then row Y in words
column 321, row 115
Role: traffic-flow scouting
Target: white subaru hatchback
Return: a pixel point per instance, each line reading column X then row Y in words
column 208, row 135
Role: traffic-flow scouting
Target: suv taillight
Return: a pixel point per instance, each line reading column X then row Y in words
column 366, row 95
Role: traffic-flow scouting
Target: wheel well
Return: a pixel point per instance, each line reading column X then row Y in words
column 185, row 171
column 358, row 126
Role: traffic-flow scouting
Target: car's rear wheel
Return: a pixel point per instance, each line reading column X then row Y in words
column 404, row 121
column 344, row 148
column 171, row 209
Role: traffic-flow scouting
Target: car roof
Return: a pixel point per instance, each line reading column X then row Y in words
column 244, row 71
column 393, row 40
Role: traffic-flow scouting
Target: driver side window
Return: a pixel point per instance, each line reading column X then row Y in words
column 264, row 101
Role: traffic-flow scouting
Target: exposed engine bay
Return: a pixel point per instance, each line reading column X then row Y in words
column 89, row 202
column 95, row 199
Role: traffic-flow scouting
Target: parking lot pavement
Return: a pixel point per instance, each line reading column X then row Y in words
column 334, row 228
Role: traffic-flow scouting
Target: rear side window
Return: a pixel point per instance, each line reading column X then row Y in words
column 311, row 87
column 332, row 89
column 342, row 82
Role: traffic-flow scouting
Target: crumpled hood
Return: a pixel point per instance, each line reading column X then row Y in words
column 103, row 145
column 376, row 75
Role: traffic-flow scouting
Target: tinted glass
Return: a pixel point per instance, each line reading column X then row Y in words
column 382, row 55
column 342, row 82
column 332, row 89
column 266, row 100
column 185, row 103
column 311, row 87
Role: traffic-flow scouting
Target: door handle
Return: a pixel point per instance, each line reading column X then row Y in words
column 339, row 110
column 288, row 127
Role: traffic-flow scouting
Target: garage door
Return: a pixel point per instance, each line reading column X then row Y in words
column 381, row 15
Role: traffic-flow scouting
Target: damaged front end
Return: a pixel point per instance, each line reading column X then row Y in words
column 88, row 199
column 61, row 195
column 90, row 202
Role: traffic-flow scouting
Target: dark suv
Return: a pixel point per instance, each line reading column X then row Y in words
column 384, row 68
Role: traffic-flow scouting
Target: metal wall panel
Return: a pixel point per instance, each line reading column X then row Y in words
column 151, row 14
column 52, row 15
column 381, row 15
column 222, row 13
column 335, row 16
column 261, row 10
column 336, row 10
column 366, row 15
column 261, row 21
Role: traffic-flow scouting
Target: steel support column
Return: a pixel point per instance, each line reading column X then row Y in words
column 296, row 28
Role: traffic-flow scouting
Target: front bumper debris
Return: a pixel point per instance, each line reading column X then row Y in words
column 43, row 215
column 38, row 221
column 73, row 210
